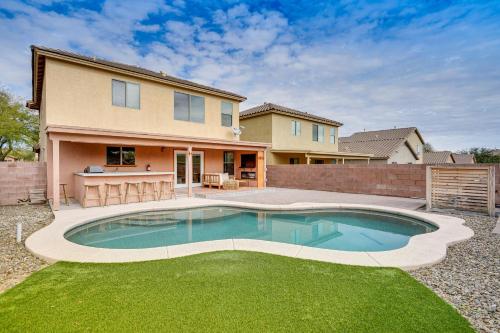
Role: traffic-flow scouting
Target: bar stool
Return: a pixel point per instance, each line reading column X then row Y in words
column 108, row 188
column 167, row 186
column 86, row 198
column 63, row 186
column 152, row 186
column 129, row 187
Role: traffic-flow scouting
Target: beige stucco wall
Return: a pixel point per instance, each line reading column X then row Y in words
column 78, row 95
column 402, row 155
column 415, row 141
column 283, row 139
column 280, row 158
column 276, row 129
column 257, row 129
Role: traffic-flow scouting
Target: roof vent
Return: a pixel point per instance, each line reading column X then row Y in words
column 162, row 73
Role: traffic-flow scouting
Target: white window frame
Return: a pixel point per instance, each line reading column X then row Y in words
column 222, row 113
column 321, row 133
column 126, row 84
column 189, row 108
column 295, row 128
column 332, row 134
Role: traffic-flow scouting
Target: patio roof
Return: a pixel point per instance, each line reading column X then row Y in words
column 94, row 135
column 323, row 153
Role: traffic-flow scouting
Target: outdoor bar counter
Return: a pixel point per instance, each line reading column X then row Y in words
column 82, row 179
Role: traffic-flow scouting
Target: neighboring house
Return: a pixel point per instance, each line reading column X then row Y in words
column 391, row 146
column 297, row 137
column 126, row 118
column 464, row 158
column 439, row 157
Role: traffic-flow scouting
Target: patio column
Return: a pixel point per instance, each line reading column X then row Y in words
column 190, row 171
column 55, row 174
column 368, row 161
column 261, row 165
column 343, row 160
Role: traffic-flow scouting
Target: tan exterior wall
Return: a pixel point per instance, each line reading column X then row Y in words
column 285, row 158
column 418, row 146
column 276, row 129
column 78, row 95
column 283, row 139
column 402, row 155
column 257, row 129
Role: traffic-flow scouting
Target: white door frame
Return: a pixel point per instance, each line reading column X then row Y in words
column 202, row 166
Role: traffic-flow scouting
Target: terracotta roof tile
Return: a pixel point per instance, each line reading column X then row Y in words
column 437, row 157
column 380, row 143
column 275, row 108
column 464, row 158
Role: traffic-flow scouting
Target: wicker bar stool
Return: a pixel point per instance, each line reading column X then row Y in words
column 109, row 188
column 128, row 191
column 63, row 186
column 152, row 187
column 86, row 198
column 167, row 187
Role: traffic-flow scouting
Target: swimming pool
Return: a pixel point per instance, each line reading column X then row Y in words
column 337, row 229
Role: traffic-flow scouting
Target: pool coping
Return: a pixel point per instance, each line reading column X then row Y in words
column 422, row 250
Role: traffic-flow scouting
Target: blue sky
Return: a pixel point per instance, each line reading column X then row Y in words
column 368, row 64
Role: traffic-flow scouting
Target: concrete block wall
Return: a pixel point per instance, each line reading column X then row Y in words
column 399, row 180
column 17, row 178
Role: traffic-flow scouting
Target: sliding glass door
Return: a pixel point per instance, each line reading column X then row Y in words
column 181, row 168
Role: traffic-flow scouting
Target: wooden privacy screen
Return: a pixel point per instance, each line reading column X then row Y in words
column 462, row 188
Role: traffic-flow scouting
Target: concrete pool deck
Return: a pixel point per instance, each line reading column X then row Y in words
column 281, row 196
column 422, row 250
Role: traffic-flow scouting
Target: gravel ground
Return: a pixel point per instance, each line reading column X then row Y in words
column 16, row 263
column 469, row 277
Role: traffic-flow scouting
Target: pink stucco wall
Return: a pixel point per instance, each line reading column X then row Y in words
column 74, row 157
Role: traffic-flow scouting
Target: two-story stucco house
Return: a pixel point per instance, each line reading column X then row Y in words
column 128, row 119
column 296, row 137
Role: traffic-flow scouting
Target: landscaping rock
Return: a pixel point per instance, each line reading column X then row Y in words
column 469, row 277
column 16, row 263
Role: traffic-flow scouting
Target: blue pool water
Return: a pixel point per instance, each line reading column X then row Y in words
column 348, row 230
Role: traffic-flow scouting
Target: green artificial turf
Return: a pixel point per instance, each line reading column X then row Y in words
column 225, row 291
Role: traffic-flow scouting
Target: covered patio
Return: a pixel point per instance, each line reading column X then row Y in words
column 147, row 158
column 318, row 157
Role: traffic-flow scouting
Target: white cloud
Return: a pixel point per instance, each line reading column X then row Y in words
column 436, row 71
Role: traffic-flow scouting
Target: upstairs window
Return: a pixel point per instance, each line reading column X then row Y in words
column 120, row 156
column 318, row 133
column 332, row 135
column 295, row 128
column 226, row 114
column 189, row 108
column 294, row 160
column 126, row 94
